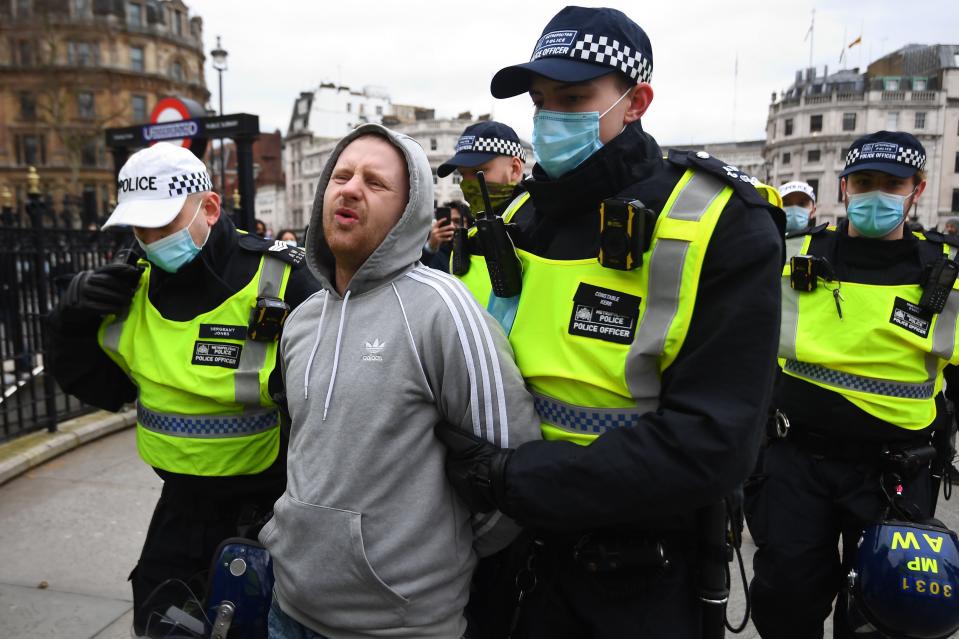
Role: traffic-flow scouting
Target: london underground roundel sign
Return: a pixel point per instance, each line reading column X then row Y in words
column 172, row 117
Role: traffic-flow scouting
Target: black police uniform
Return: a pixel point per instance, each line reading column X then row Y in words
column 645, row 483
column 822, row 482
column 194, row 514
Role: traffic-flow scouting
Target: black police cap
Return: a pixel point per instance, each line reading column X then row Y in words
column 899, row 154
column 480, row 143
column 580, row 44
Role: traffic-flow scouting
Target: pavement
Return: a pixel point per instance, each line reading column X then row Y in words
column 71, row 528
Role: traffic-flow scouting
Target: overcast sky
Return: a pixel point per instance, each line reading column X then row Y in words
column 442, row 54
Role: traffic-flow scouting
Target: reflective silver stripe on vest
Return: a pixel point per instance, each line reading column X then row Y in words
column 794, row 246
column 111, row 334
column 208, row 426
column 871, row 385
column 789, row 320
column 247, row 376
column 662, row 297
column 583, row 419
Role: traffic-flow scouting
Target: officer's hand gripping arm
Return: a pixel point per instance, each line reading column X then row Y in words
column 475, row 467
column 103, row 291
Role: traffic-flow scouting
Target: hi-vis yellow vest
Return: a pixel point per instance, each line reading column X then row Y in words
column 203, row 407
column 592, row 342
column 885, row 354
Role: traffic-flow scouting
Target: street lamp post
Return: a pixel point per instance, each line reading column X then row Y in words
column 219, row 63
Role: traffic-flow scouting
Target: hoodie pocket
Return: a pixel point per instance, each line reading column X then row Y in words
column 322, row 569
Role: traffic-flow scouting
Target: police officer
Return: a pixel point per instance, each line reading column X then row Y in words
column 799, row 205
column 868, row 328
column 646, row 330
column 189, row 332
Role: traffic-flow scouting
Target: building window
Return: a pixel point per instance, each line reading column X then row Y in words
column 136, row 59
column 31, row 150
column 839, row 197
column 920, row 119
column 812, row 155
column 432, row 144
column 88, row 153
column 134, row 14
column 24, row 7
column 349, row 107
column 891, row 84
column 139, row 104
column 848, row 121
column 436, row 180
column 379, row 109
column 176, row 72
column 177, row 23
column 955, row 200
column 814, row 184
column 957, row 162
column 83, row 54
column 789, row 126
column 26, row 53
column 815, row 123
column 85, row 105
column 919, row 84
column 892, row 121
column 28, row 106
column 81, row 8
column 787, row 158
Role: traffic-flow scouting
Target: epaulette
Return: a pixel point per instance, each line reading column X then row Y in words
column 812, row 230
column 743, row 184
column 292, row 255
column 942, row 238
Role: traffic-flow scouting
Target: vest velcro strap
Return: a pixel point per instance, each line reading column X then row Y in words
column 583, row 419
column 207, row 426
column 870, row 385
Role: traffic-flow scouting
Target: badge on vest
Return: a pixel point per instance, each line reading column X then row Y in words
column 217, row 354
column 602, row 313
column 912, row 317
column 222, row 331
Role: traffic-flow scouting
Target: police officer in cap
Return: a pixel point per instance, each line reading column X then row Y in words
column 646, row 329
column 188, row 331
column 868, row 335
column 799, row 205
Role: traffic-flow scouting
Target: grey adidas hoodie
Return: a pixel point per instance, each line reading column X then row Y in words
column 369, row 539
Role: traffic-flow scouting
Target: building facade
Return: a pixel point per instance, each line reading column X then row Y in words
column 268, row 179
column 69, row 69
column 915, row 89
column 747, row 156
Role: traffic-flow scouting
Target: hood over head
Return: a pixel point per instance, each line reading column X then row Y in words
column 403, row 245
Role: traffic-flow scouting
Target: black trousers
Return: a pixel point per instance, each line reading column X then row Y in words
column 798, row 506
column 569, row 603
column 184, row 533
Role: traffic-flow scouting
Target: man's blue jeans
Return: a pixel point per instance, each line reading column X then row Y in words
column 283, row 626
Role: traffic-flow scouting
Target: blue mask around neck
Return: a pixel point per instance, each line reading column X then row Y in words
column 176, row 250
column 562, row 141
column 876, row 214
column 797, row 218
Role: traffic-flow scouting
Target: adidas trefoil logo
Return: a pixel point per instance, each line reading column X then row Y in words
column 373, row 351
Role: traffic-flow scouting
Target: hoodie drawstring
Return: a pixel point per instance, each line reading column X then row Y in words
column 316, row 344
column 336, row 355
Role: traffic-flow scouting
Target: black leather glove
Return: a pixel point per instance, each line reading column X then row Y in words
column 475, row 467
column 107, row 289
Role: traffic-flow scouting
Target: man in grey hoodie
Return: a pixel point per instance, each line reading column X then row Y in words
column 369, row 539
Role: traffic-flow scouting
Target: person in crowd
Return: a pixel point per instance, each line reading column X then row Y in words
column 369, row 539
column 173, row 331
column 645, row 326
column 864, row 355
column 451, row 216
column 288, row 236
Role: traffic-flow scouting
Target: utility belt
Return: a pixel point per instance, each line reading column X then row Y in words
column 606, row 552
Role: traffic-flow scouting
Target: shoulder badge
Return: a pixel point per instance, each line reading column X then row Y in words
column 812, row 230
column 743, row 184
column 942, row 238
column 292, row 255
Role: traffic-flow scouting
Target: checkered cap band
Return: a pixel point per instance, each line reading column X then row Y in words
column 190, row 183
column 887, row 388
column 601, row 49
column 852, row 156
column 582, row 419
column 499, row 145
column 206, row 425
column 912, row 157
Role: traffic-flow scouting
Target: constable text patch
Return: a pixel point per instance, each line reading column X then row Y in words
column 605, row 314
column 217, row 354
column 911, row 317
column 222, row 331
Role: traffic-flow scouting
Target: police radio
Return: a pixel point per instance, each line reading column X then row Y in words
column 626, row 229
column 460, row 262
column 267, row 319
column 938, row 283
column 505, row 272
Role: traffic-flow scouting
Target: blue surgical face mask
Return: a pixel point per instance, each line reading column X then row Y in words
column 290, row 242
column 797, row 218
column 174, row 251
column 562, row 141
column 876, row 214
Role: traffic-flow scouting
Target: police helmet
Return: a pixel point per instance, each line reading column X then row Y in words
column 905, row 583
